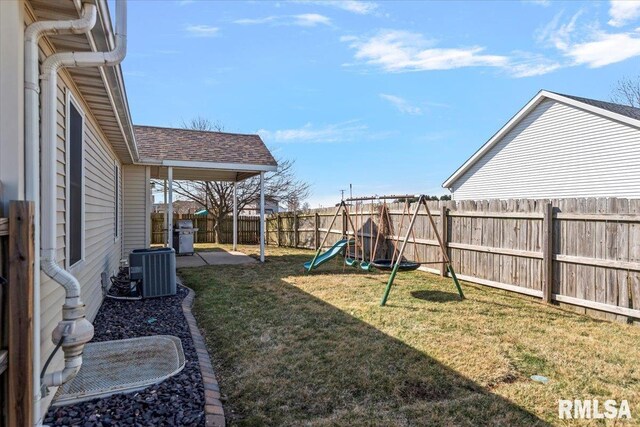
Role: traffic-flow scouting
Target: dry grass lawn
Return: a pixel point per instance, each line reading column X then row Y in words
column 294, row 349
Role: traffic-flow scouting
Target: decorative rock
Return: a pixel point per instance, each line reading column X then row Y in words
column 178, row 400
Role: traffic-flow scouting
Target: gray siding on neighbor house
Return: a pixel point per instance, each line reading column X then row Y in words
column 102, row 249
column 557, row 151
column 136, row 211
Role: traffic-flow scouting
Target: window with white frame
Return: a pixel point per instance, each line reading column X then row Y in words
column 116, row 192
column 75, row 182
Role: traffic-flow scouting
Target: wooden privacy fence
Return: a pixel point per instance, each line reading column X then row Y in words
column 580, row 252
column 16, row 314
column 248, row 228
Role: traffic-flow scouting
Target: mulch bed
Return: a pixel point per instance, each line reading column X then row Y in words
column 178, row 400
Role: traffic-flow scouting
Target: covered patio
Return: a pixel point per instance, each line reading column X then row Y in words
column 193, row 155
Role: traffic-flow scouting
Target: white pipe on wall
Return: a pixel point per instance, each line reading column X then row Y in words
column 74, row 328
column 170, row 208
column 235, row 215
column 262, row 231
column 32, row 35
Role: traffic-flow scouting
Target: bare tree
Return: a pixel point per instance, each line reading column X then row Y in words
column 202, row 123
column 217, row 196
column 627, row 91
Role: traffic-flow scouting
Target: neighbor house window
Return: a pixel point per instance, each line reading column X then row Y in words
column 75, row 148
column 116, row 192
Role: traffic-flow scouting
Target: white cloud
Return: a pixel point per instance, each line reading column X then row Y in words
column 589, row 45
column 605, row 49
column 401, row 51
column 401, row 104
column 302, row 20
column 340, row 132
column 310, row 20
column 353, row 6
column 623, row 11
column 543, row 3
column 533, row 69
column 202, row 30
column 255, row 21
column 558, row 34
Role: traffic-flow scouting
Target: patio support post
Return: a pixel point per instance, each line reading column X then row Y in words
column 165, row 222
column 170, row 206
column 235, row 215
column 261, row 216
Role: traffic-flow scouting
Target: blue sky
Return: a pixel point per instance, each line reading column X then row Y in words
column 389, row 96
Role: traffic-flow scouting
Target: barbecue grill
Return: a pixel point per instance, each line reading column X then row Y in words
column 183, row 237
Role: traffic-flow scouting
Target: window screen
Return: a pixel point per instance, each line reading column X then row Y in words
column 75, row 148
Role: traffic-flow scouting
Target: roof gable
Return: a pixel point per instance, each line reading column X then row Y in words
column 621, row 113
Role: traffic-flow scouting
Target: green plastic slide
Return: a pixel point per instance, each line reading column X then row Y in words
column 334, row 251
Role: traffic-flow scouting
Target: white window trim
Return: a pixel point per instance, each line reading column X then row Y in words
column 69, row 100
column 117, row 200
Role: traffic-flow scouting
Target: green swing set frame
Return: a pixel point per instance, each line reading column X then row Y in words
column 422, row 201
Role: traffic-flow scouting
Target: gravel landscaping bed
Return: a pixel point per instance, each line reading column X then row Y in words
column 178, row 400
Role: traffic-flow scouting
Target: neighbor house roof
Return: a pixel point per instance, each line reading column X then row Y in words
column 625, row 110
column 159, row 144
column 618, row 112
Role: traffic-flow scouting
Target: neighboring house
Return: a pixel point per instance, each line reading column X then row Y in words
column 557, row 146
column 270, row 207
column 179, row 207
column 93, row 182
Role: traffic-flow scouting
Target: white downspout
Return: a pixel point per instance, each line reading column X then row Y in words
column 235, row 215
column 262, row 224
column 32, row 35
column 74, row 328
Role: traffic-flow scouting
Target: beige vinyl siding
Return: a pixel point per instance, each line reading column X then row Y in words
column 11, row 104
column 102, row 250
column 136, row 208
column 557, row 151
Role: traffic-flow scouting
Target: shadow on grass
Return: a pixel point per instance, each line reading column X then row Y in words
column 285, row 357
column 436, row 296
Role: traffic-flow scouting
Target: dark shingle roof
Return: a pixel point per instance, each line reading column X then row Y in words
column 158, row 143
column 624, row 110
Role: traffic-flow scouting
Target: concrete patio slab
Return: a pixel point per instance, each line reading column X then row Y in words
column 226, row 258
column 190, row 261
column 201, row 259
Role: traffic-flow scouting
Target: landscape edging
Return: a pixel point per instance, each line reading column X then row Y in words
column 213, row 411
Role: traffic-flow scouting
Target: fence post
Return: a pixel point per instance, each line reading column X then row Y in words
column 316, row 235
column 278, row 228
column 547, row 253
column 296, row 238
column 20, row 304
column 444, row 234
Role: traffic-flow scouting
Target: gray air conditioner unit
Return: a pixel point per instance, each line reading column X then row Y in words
column 155, row 269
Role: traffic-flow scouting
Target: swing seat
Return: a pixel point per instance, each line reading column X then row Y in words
column 351, row 262
column 366, row 266
column 386, row 264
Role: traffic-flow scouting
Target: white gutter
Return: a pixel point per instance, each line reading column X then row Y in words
column 74, row 328
column 32, row 35
column 215, row 165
